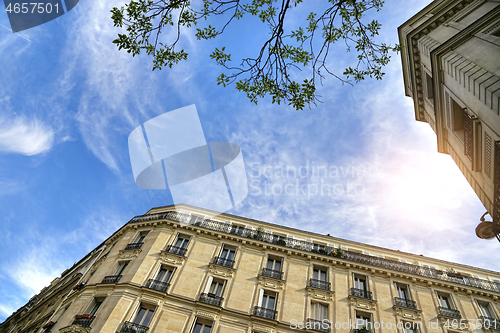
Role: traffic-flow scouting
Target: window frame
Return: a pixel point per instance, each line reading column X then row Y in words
column 204, row 324
column 148, row 307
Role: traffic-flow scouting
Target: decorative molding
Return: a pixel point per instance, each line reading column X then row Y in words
column 270, row 283
column 171, row 258
column 363, row 303
column 262, row 329
column 492, row 28
column 128, row 254
column 406, row 313
column 206, row 314
column 73, row 329
column 320, row 294
column 222, row 271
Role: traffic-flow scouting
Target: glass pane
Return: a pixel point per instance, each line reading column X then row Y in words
column 322, row 275
column 485, row 310
column 207, row 329
column 140, row 315
column 316, row 274
column 148, row 317
column 95, row 308
column 121, row 268
column 161, row 274
column 268, row 301
column 167, row 276
column 444, row 302
column 277, row 265
column 197, row 328
column 270, row 263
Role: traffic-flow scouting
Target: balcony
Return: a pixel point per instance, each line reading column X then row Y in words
column 129, row 327
column 450, row 313
column 318, row 325
column 362, row 330
column 83, row 320
column 265, row 313
column 405, row 303
column 180, row 251
column 211, row 299
column 223, row 262
column 307, row 246
column 490, row 323
column 133, row 246
column 361, row 293
column 319, row 284
column 157, row 285
column 278, row 275
column 111, row 279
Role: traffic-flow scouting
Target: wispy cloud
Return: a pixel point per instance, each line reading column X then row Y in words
column 23, row 136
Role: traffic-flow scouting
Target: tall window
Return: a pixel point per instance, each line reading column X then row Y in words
column 215, row 287
column 403, row 291
column 228, row 253
column 274, row 264
column 363, row 320
column 182, row 242
column 121, row 267
column 410, row 327
column 458, row 119
column 144, row 315
column 141, row 236
column 164, row 274
column 268, row 300
column 485, row 310
column 94, row 306
column 444, row 301
column 360, row 282
column 202, row 327
column 319, row 311
column 430, row 87
column 320, row 274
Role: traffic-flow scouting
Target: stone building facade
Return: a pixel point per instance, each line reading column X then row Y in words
column 174, row 269
column 451, row 69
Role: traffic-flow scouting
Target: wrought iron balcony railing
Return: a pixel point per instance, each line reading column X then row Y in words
column 133, row 246
column 361, row 293
column 319, row 284
column 265, row 313
column 223, row 262
column 362, row 330
column 180, row 251
column 211, row 299
column 490, row 323
column 129, row 327
column 111, row 279
column 302, row 245
column 83, row 320
column 405, row 303
column 319, row 325
column 451, row 313
column 157, row 285
column 278, row 275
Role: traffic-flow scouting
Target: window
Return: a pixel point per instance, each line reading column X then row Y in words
column 430, row 87
column 411, row 327
column 226, row 256
column 161, row 280
column 444, row 301
column 403, row 291
column 237, row 229
column 319, row 311
column 267, row 299
column 94, row 306
column 273, row 268
column 320, row 274
column 363, row 321
column 485, row 310
column 144, row 315
column 202, row 327
column 141, row 236
column 213, row 291
column 360, row 282
column 458, row 119
column 121, row 267
column 180, row 245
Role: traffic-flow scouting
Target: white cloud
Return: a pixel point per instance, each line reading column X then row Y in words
column 27, row 137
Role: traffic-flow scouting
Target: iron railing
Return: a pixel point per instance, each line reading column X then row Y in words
column 211, row 299
column 129, row 327
column 451, row 313
column 180, row 251
column 111, row 279
column 133, row 246
column 319, row 284
column 319, row 325
column 223, row 262
column 83, row 320
column 261, row 235
column 361, row 293
column 265, row 313
column 405, row 303
column 157, row 285
column 278, row 275
column 490, row 323
column 361, row 330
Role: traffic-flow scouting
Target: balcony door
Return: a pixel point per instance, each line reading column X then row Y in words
column 121, row 268
column 228, row 254
column 360, row 282
column 319, row 311
column 268, row 301
column 182, row 242
column 215, row 288
column 94, row 307
column 274, row 264
column 444, row 301
column 164, row 275
column 485, row 310
column 363, row 321
column 403, row 292
column 319, row 274
column 144, row 316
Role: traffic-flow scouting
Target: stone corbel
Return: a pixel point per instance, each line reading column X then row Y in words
column 271, row 283
column 171, row 258
column 363, row 303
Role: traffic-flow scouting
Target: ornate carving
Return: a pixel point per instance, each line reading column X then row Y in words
column 171, row 258
column 363, row 303
column 73, row 329
column 206, row 314
column 271, row 283
column 406, row 313
column 128, row 254
column 225, row 272
column 320, row 294
column 262, row 329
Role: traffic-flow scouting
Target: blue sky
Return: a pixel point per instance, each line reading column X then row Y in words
column 69, row 99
